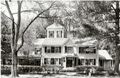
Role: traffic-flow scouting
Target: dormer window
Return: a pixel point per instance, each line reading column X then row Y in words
column 51, row 34
column 59, row 34
column 55, row 31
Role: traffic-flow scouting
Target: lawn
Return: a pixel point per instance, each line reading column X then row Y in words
column 55, row 76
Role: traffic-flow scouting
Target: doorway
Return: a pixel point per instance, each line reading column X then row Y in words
column 70, row 61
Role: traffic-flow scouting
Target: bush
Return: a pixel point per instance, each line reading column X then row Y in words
column 6, row 69
column 52, row 68
column 86, row 69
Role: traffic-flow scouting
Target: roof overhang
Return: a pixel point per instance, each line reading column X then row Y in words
column 54, row 41
column 103, row 54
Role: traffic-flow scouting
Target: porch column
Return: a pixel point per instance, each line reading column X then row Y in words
column 57, row 61
column 73, row 61
column 84, row 61
column 76, row 61
column 64, row 63
column 62, row 50
column 42, row 61
column 97, row 58
column 49, row 61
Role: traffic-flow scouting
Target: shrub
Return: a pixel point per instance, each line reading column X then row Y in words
column 52, row 68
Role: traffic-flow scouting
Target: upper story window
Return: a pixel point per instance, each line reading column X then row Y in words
column 52, row 49
column 68, row 49
column 59, row 34
column 87, row 50
column 51, row 34
column 38, row 50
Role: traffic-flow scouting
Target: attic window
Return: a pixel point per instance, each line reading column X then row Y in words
column 51, row 34
column 59, row 34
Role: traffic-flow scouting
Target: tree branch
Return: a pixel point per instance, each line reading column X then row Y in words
column 9, row 10
column 19, row 20
column 113, row 7
column 13, row 25
column 30, row 24
column 9, row 18
column 21, row 44
column 36, row 18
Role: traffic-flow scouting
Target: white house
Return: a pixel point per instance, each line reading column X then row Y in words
column 70, row 52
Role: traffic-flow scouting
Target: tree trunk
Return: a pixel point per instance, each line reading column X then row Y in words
column 14, row 71
column 116, row 69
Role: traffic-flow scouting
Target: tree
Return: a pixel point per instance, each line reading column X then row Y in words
column 15, row 33
column 104, row 21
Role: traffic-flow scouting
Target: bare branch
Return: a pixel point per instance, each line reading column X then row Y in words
column 21, row 44
column 36, row 18
column 3, row 4
column 9, row 18
column 113, row 7
column 13, row 25
column 9, row 10
column 30, row 24
column 24, row 11
column 19, row 20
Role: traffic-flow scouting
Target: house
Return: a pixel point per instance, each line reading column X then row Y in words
column 70, row 52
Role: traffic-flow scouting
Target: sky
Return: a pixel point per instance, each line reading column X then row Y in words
column 27, row 6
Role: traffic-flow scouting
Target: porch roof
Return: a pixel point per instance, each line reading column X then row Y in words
column 57, row 55
column 51, row 42
column 88, row 41
column 70, row 43
column 39, row 41
column 103, row 54
column 55, row 41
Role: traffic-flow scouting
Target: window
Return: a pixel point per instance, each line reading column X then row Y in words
column 81, row 49
column 87, row 50
column 52, row 49
column 81, row 61
column 68, row 49
column 45, row 60
column 59, row 34
column 60, row 61
column 52, row 61
column 47, row 49
column 90, row 61
column 51, row 34
column 38, row 50
column 57, row 49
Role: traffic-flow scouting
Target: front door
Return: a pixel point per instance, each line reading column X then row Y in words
column 69, row 61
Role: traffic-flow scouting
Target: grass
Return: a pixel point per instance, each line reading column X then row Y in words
column 61, row 75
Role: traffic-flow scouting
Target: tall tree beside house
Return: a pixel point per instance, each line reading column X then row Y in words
column 15, row 33
column 103, row 18
column 5, row 36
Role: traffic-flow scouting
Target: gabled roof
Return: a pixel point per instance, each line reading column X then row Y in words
column 55, row 25
column 103, row 54
column 70, row 43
